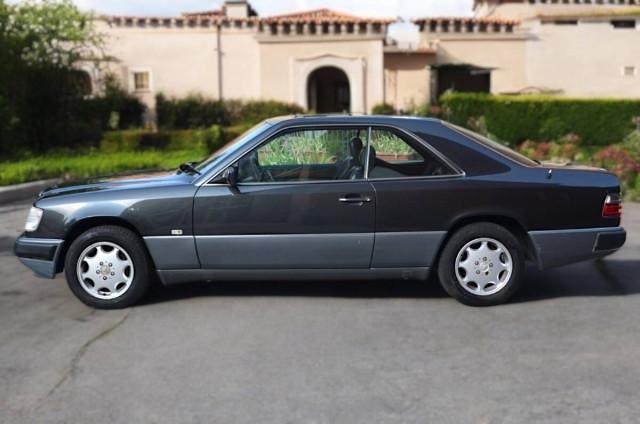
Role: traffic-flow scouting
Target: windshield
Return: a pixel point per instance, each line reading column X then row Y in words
column 495, row 146
column 231, row 147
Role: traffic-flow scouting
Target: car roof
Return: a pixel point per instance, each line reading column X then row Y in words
column 347, row 119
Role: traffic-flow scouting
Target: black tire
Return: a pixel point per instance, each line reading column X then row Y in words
column 136, row 249
column 465, row 235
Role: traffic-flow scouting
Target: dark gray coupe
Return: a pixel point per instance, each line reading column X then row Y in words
column 328, row 197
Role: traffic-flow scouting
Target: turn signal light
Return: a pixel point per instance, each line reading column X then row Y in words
column 612, row 206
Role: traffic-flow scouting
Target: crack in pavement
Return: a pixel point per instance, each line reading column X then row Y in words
column 71, row 369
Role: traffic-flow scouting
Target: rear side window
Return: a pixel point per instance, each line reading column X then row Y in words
column 392, row 156
column 495, row 146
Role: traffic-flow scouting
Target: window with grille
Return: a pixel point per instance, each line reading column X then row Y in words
column 141, row 81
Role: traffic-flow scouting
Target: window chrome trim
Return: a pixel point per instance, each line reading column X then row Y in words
column 284, row 183
column 216, row 173
column 366, row 162
column 458, row 172
column 419, row 177
column 203, row 179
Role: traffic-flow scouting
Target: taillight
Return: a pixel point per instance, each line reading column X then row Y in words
column 612, row 206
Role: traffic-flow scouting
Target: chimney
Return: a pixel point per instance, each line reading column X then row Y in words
column 238, row 9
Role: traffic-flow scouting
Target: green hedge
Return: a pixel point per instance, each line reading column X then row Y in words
column 193, row 111
column 92, row 164
column 598, row 122
column 127, row 150
column 197, row 111
column 44, row 112
column 249, row 113
column 136, row 140
column 209, row 139
column 383, row 109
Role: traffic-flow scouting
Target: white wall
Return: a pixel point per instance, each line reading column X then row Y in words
column 584, row 60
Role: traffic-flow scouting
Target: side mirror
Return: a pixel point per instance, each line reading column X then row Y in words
column 230, row 176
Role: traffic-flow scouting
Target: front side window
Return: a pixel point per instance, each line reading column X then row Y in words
column 231, row 148
column 392, row 156
column 307, row 155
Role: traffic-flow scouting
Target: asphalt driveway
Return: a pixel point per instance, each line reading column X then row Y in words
column 567, row 349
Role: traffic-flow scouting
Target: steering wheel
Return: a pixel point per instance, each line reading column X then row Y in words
column 266, row 176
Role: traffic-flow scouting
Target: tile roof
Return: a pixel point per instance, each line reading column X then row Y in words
column 323, row 16
column 204, row 14
column 318, row 16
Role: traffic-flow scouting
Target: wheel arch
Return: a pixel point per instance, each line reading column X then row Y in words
column 508, row 222
column 85, row 224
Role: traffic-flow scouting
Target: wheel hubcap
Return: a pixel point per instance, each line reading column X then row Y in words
column 483, row 266
column 105, row 270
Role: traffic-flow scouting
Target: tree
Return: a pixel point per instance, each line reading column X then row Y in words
column 42, row 44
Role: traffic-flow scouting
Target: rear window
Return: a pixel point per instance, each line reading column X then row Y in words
column 495, row 146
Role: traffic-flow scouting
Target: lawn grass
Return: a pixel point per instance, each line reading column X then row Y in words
column 92, row 164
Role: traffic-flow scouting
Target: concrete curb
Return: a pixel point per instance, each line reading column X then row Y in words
column 19, row 192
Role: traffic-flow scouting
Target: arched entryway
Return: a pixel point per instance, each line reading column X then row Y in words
column 328, row 90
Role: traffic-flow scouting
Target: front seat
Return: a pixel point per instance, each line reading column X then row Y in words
column 377, row 171
column 352, row 161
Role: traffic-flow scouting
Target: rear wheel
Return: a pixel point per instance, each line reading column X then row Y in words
column 107, row 267
column 481, row 265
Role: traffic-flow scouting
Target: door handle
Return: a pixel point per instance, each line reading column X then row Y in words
column 358, row 200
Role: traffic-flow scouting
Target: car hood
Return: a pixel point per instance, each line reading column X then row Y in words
column 120, row 182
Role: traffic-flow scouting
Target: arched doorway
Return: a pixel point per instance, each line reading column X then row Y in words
column 328, row 90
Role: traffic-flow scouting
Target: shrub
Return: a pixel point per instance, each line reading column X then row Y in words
column 172, row 140
column 120, row 109
column 632, row 143
column 92, row 164
column 516, row 119
column 425, row 111
column 383, row 109
column 619, row 160
column 230, row 133
column 194, row 111
column 249, row 113
column 197, row 111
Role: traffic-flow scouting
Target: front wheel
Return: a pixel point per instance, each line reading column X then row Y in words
column 107, row 268
column 481, row 265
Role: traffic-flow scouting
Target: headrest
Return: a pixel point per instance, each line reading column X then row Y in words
column 355, row 147
column 372, row 157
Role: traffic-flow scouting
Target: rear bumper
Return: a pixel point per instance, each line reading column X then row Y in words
column 39, row 255
column 562, row 247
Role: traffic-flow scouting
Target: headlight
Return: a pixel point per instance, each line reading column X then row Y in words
column 33, row 219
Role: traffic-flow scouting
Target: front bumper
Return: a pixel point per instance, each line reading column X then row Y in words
column 40, row 255
column 562, row 247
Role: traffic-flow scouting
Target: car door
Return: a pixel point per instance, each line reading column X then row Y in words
column 301, row 202
column 415, row 187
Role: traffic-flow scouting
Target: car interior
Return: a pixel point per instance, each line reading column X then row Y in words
column 350, row 166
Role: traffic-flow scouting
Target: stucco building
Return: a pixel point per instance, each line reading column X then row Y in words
column 330, row 61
